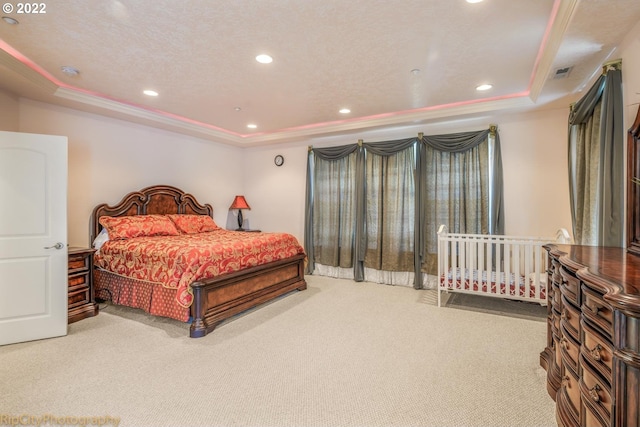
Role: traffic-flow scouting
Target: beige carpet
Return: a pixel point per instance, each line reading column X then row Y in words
column 338, row 354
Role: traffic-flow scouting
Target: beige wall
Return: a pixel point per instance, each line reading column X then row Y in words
column 9, row 112
column 109, row 158
column 630, row 53
column 534, row 160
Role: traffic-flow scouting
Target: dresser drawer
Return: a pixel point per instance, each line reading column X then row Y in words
column 571, row 389
column 557, row 302
column 570, row 286
column 596, row 311
column 591, row 418
column 595, row 390
column 554, row 269
column 570, row 349
column 570, row 318
column 597, row 350
column 555, row 322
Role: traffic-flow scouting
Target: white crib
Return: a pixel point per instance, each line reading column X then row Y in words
column 510, row 267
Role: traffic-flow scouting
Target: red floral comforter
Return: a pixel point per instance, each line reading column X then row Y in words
column 177, row 261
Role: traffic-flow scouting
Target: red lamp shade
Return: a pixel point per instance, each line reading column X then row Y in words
column 239, row 203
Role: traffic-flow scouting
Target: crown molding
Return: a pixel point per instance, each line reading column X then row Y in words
column 410, row 117
column 167, row 121
column 26, row 72
column 564, row 11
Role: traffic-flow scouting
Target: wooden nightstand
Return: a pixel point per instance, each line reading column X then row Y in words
column 82, row 303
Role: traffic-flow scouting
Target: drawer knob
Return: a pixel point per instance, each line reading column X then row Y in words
column 595, row 309
column 595, row 352
column 565, row 381
column 564, row 315
column 593, row 392
column 564, row 343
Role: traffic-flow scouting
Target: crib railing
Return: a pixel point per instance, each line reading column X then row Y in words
column 512, row 267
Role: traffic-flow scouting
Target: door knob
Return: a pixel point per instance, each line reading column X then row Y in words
column 58, row 245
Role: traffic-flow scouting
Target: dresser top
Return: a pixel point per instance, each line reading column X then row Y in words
column 615, row 271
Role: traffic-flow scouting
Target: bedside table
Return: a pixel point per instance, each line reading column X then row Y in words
column 248, row 231
column 82, row 303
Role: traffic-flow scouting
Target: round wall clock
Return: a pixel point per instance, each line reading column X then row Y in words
column 278, row 160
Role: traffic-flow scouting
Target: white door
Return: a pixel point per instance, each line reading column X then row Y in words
column 33, row 237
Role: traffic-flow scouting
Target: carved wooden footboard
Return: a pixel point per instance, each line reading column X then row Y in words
column 217, row 298
column 221, row 297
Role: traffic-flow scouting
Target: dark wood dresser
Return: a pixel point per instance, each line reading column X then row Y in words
column 82, row 302
column 592, row 356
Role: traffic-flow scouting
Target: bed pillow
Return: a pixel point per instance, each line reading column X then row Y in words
column 127, row 227
column 101, row 239
column 192, row 224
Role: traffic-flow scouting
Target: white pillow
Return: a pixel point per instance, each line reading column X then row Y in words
column 100, row 239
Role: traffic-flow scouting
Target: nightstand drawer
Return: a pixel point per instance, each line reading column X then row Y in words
column 76, row 280
column 78, row 262
column 80, row 299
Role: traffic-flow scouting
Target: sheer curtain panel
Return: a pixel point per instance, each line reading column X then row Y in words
column 596, row 164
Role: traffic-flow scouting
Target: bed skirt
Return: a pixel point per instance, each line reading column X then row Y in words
column 155, row 299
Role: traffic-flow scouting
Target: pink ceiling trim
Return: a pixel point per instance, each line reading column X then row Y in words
column 545, row 40
column 35, row 67
column 396, row 113
column 556, row 6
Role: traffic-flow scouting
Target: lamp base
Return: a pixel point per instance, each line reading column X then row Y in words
column 240, row 220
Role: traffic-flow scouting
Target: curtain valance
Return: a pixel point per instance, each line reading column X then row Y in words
column 335, row 153
column 456, row 142
column 583, row 109
column 389, row 148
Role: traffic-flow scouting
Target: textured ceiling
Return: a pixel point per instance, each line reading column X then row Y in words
column 328, row 54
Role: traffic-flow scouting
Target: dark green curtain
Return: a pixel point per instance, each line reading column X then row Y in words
column 596, row 163
column 450, row 143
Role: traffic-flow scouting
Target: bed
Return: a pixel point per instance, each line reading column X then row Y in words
column 202, row 274
column 510, row 267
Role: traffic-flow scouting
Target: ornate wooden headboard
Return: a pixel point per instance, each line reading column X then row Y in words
column 159, row 199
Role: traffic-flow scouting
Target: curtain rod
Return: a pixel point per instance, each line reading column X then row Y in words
column 310, row 148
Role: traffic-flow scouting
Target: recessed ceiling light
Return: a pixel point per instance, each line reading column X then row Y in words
column 264, row 59
column 345, row 111
column 9, row 20
column 474, row 1
column 415, row 71
column 238, row 109
column 70, row 71
column 252, row 126
column 484, row 87
column 150, row 92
